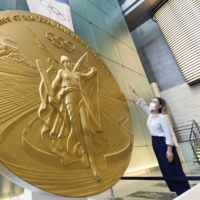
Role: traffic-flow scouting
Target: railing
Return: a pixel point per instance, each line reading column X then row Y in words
column 194, row 139
column 182, row 131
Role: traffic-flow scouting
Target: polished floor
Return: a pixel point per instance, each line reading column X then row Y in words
column 146, row 190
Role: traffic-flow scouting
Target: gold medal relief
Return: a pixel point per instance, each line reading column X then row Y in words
column 65, row 126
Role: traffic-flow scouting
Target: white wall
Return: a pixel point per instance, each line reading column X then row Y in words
column 184, row 103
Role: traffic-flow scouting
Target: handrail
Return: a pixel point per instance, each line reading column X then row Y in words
column 183, row 131
column 155, row 178
column 177, row 127
column 182, row 128
column 197, row 125
column 195, row 132
column 191, row 131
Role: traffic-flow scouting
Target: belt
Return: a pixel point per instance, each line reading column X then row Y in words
column 157, row 136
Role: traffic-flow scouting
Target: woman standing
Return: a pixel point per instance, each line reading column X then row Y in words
column 163, row 145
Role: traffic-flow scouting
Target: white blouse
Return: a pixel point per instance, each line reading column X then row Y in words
column 158, row 125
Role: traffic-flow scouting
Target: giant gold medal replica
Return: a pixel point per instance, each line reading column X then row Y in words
column 65, row 126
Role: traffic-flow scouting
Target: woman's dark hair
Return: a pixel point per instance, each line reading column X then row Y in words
column 164, row 108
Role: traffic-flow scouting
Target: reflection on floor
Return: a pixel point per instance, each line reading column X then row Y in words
column 146, row 190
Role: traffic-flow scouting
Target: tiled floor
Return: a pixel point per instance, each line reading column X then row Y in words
column 146, row 190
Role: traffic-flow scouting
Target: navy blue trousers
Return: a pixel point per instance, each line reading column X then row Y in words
column 168, row 169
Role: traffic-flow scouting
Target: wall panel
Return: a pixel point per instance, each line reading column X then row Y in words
column 179, row 23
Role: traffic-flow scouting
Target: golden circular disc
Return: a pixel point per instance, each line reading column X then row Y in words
column 65, row 126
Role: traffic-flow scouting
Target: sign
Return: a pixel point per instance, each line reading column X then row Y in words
column 58, row 10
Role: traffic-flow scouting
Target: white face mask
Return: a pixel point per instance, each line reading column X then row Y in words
column 152, row 106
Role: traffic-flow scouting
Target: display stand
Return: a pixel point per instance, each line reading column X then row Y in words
column 28, row 195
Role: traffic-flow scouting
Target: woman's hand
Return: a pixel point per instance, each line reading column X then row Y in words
column 131, row 88
column 136, row 97
column 169, row 155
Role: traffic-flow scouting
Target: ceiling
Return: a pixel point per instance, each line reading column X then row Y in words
column 136, row 12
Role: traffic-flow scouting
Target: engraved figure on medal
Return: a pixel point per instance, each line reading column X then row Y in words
column 70, row 112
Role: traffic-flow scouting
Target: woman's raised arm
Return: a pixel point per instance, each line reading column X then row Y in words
column 140, row 101
column 136, row 97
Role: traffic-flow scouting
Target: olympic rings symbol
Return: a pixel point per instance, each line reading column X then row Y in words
column 60, row 42
column 55, row 11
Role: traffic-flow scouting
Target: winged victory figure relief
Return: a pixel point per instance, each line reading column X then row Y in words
column 69, row 109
